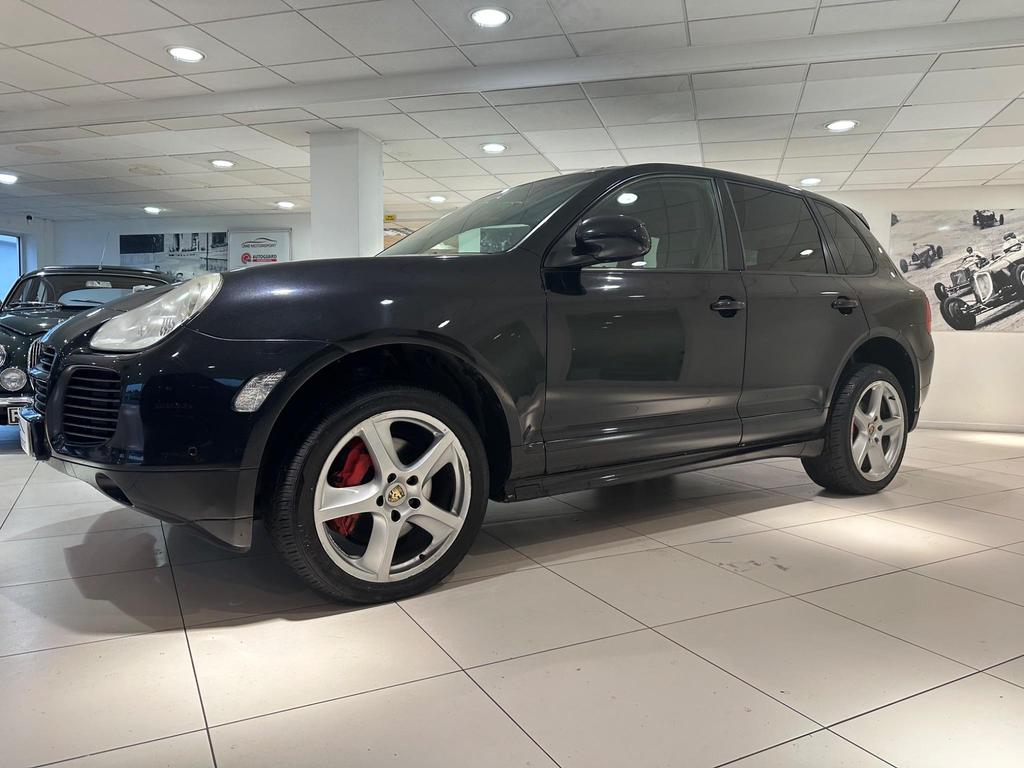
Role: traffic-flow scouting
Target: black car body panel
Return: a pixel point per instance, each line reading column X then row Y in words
column 584, row 376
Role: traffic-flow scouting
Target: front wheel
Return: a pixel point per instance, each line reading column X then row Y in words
column 941, row 292
column 958, row 315
column 938, row 252
column 904, row 266
column 383, row 497
column 1018, row 279
column 865, row 436
column 1002, row 218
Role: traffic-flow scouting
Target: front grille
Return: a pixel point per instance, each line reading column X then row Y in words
column 91, row 402
column 42, row 367
column 35, row 349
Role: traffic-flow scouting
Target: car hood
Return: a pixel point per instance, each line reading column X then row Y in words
column 30, row 322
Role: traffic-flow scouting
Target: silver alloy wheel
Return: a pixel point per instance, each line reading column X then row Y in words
column 877, row 431
column 397, row 497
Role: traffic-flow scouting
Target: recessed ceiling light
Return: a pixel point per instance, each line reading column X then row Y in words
column 841, row 126
column 8, row 178
column 152, row 210
column 490, row 18
column 185, row 55
column 493, row 148
column 437, row 198
column 810, row 181
column 222, row 163
column 626, row 198
column 285, row 204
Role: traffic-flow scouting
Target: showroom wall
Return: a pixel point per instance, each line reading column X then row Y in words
column 978, row 375
column 36, row 238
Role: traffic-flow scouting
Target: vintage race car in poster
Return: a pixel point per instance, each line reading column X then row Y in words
column 985, row 219
column 979, row 284
column 922, row 256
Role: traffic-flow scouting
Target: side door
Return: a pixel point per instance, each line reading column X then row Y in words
column 803, row 317
column 639, row 363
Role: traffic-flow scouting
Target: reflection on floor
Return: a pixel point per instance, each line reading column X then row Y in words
column 737, row 614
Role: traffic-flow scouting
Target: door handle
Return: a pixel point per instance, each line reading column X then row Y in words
column 845, row 305
column 727, row 306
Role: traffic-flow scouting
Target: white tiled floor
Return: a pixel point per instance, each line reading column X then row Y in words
column 737, row 617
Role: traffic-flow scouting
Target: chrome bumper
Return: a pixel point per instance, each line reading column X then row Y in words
column 10, row 402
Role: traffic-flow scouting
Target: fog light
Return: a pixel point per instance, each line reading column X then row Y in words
column 251, row 396
column 13, row 379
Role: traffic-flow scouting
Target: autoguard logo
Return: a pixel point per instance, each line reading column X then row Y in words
column 260, row 250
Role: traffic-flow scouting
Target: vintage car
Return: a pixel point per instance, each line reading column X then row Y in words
column 41, row 299
column 985, row 219
column 922, row 256
column 980, row 284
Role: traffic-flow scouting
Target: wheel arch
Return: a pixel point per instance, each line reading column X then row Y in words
column 424, row 363
column 891, row 352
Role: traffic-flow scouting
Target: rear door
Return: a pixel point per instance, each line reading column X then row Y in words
column 803, row 317
column 639, row 364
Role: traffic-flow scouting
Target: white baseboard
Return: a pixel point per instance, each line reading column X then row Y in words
column 923, row 424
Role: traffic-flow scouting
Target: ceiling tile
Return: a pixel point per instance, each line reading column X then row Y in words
column 738, row 78
column 684, row 154
column 551, row 115
column 122, row 129
column 570, row 139
column 887, row 14
column 269, row 116
column 744, row 150
column 531, row 18
column 440, row 168
column 932, row 116
column 869, row 120
column 588, row 15
column 752, row 100
column 598, row 158
column 205, row 10
column 745, row 128
column 515, row 144
column 420, row 149
column 885, row 160
column 645, row 108
column 520, row 164
column 519, row 51
column 351, row 108
column 764, row 26
column 965, row 172
column 996, row 136
column 984, row 156
column 911, row 141
column 385, row 127
column 295, row 132
column 393, row 170
column 85, row 94
column 654, row 134
column 24, row 71
column 513, row 179
column 161, row 88
column 417, row 61
column 25, row 25
column 278, row 156
column 98, row 59
column 240, row 79
column 486, row 182
column 1012, row 115
column 887, row 176
column 534, row 95
column 851, row 93
column 379, row 26
column 817, row 165
column 637, row 85
column 152, row 45
column 830, row 145
column 434, row 103
column 463, row 122
column 896, row 65
column 17, row 101
column 195, row 123
column 765, row 169
column 985, row 9
column 279, row 38
column 713, row 9
column 629, row 39
column 40, row 135
column 322, row 71
column 102, row 17
column 410, row 186
column 996, row 57
column 990, row 84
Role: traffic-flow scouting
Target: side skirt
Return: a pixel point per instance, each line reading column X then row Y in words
column 525, row 488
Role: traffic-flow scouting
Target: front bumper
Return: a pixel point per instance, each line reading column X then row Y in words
column 15, row 401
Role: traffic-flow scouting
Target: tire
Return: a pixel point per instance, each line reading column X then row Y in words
column 904, row 266
column 1002, row 218
column 928, row 261
column 836, row 469
column 326, row 554
column 955, row 313
column 941, row 292
column 975, row 219
column 938, row 252
column 1018, row 279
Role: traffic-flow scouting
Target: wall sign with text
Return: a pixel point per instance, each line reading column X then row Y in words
column 247, row 248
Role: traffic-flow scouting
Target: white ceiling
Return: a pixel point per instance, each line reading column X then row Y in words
column 946, row 115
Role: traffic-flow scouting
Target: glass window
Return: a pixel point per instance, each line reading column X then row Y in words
column 76, row 291
column 778, row 232
column 855, row 255
column 495, row 223
column 681, row 217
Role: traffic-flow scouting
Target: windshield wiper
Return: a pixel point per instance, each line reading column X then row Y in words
column 20, row 304
column 81, row 302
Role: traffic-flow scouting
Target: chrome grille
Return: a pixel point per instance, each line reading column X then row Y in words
column 41, row 375
column 91, row 402
column 35, row 349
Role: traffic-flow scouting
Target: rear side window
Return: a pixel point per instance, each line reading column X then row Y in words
column 779, row 233
column 855, row 255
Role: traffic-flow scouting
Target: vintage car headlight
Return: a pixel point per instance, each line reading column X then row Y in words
column 13, row 379
column 983, row 285
column 3, row 354
column 144, row 326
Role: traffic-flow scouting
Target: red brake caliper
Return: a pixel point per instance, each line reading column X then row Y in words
column 356, row 469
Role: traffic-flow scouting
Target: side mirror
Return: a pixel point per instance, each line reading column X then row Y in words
column 602, row 239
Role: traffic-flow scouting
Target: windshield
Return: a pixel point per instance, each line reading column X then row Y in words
column 495, row 223
column 76, row 291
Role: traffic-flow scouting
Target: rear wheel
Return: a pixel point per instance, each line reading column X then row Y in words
column 865, row 437
column 938, row 252
column 958, row 315
column 1001, row 219
column 904, row 266
column 383, row 498
column 1018, row 279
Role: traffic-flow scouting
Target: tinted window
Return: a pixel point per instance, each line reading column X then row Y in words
column 855, row 255
column 681, row 216
column 779, row 234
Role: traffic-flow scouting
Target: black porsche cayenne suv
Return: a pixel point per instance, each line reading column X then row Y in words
column 569, row 333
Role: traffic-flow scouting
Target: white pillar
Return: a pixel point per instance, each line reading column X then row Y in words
column 347, row 182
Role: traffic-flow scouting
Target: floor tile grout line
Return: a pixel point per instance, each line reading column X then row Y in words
column 81, row 533
column 82, row 576
column 64, row 760
column 191, row 658
column 862, row 748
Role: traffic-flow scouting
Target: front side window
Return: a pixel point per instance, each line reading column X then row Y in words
column 495, row 223
column 779, row 234
column 681, row 217
column 855, row 255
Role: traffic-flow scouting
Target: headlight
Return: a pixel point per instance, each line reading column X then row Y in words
column 13, row 379
column 3, row 354
column 144, row 326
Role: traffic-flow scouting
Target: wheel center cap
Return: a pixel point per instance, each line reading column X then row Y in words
column 396, row 493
